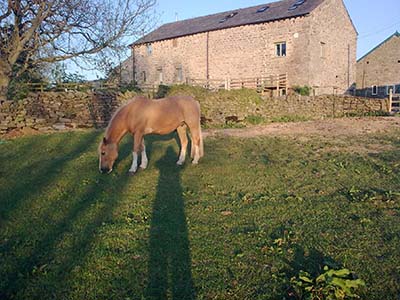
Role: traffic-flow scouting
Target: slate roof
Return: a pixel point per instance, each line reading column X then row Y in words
column 396, row 34
column 245, row 16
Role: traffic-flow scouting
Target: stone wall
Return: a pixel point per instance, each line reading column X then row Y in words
column 218, row 107
column 64, row 110
column 60, row 110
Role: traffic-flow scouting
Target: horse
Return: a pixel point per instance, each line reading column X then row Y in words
column 142, row 116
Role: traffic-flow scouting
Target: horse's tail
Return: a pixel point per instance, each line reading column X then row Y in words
column 201, row 146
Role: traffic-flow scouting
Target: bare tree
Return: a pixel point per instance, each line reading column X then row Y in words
column 33, row 32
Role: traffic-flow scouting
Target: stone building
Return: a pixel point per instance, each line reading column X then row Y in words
column 312, row 41
column 378, row 71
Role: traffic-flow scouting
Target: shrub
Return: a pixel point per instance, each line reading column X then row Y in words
column 162, row 91
column 302, row 90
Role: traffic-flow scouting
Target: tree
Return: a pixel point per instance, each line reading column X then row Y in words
column 33, row 32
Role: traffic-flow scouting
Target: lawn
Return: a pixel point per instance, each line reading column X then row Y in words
column 251, row 216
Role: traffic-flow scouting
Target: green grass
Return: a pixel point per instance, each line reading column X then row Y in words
column 240, row 225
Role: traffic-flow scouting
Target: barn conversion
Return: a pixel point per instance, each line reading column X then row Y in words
column 312, row 42
column 378, row 71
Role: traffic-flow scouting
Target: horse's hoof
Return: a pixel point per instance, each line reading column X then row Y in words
column 131, row 173
column 180, row 163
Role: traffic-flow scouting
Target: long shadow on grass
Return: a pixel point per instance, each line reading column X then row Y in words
column 169, row 269
column 40, row 172
column 55, row 248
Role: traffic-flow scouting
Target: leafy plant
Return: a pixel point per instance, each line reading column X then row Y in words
column 302, row 90
column 162, row 91
column 330, row 285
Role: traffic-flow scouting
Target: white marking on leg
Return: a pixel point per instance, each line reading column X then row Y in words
column 182, row 157
column 196, row 155
column 133, row 168
column 144, row 162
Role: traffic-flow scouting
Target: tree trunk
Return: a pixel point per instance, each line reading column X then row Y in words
column 5, row 78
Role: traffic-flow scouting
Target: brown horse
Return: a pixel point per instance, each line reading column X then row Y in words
column 142, row 116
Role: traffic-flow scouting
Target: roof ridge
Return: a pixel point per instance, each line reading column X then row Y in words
column 228, row 11
column 396, row 34
column 239, row 17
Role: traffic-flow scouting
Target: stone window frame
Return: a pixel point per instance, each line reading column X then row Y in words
column 149, row 49
column 279, row 50
column 160, row 74
column 374, row 89
column 179, row 73
column 323, row 50
column 390, row 86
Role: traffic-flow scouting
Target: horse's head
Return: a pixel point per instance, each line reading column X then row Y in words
column 108, row 153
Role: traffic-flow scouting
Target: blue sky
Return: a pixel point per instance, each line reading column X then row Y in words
column 374, row 21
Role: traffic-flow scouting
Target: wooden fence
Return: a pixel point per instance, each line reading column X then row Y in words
column 57, row 87
column 274, row 84
column 270, row 84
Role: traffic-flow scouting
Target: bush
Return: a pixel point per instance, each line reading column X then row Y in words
column 162, row 91
column 302, row 90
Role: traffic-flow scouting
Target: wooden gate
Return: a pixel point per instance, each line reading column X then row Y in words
column 394, row 102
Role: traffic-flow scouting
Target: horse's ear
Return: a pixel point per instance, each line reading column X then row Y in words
column 104, row 141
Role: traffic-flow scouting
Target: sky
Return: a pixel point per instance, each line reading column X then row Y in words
column 374, row 20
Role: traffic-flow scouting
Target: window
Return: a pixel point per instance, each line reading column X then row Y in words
column 296, row 4
column 280, row 49
column 390, row 87
column 228, row 17
column 323, row 49
column 179, row 74
column 374, row 90
column 175, row 43
column 144, row 76
column 149, row 48
column 160, row 75
column 262, row 9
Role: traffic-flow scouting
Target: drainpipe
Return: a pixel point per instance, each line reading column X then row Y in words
column 348, row 66
column 207, row 57
column 133, row 66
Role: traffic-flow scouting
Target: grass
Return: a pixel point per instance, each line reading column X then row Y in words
column 240, row 225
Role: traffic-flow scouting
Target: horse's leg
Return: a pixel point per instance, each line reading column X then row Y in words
column 184, row 142
column 137, row 147
column 196, row 152
column 143, row 164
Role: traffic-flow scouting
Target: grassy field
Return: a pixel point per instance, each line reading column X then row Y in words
column 252, row 215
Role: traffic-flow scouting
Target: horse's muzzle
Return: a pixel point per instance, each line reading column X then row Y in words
column 105, row 170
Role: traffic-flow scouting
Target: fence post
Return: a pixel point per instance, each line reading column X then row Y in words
column 390, row 101
column 277, row 85
column 228, row 84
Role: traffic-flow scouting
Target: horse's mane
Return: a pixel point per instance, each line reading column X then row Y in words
column 119, row 110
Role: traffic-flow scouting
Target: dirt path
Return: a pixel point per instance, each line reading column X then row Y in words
column 324, row 128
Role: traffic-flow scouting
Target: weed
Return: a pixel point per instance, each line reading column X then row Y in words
column 331, row 285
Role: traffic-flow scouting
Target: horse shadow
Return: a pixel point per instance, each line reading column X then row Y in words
column 169, row 266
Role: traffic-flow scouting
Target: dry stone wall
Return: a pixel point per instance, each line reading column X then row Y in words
column 65, row 110
column 60, row 110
